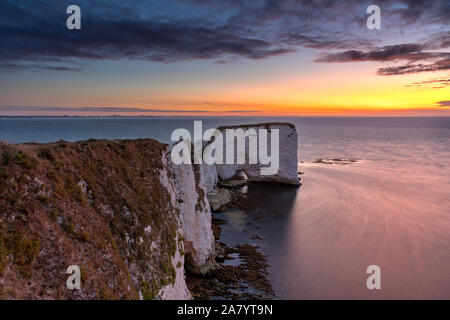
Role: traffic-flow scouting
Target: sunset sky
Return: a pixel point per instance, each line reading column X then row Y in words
column 225, row 57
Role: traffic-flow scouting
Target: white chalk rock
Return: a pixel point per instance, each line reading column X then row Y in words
column 178, row 290
column 288, row 159
column 195, row 212
column 209, row 174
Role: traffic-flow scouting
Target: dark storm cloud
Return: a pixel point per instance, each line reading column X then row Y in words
column 33, row 31
column 411, row 53
column 439, row 65
column 6, row 67
column 387, row 53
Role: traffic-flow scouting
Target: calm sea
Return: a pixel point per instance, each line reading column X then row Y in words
column 391, row 208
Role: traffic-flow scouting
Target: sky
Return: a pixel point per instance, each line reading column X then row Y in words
column 225, row 57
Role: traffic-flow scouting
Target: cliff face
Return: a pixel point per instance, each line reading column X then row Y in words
column 110, row 207
column 195, row 212
column 120, row 210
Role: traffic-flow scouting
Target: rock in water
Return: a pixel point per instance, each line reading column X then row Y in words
column 288, row 159
column 219, row 198
column 190, row 188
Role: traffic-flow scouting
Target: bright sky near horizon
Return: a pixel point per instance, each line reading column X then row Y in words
column 225, row 57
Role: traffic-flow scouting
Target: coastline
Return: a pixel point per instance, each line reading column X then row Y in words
column 387, row 208
column 128, row 218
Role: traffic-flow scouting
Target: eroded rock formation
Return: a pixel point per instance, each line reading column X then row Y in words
column 120, row 210
column 288, row 159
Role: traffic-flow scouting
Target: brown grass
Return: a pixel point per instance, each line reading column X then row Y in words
column 85, row 203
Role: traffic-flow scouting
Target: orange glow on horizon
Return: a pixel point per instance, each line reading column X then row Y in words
column 340, row 90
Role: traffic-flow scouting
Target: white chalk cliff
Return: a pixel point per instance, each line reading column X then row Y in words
column 121, row 210
column 190, row 189
column 178, row 290
column 288, row 160
column 189, row 185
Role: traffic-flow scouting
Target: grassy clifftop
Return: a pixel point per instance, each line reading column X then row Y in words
column 98, row 204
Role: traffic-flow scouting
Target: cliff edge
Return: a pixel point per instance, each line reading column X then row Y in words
column 120, row 210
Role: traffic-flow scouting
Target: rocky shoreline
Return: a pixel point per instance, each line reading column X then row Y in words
column 244, row 280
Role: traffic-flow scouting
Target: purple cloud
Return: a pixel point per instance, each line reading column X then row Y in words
column 444, row 103
column 171, row 30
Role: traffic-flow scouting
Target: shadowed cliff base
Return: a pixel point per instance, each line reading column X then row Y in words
column 241, row 273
